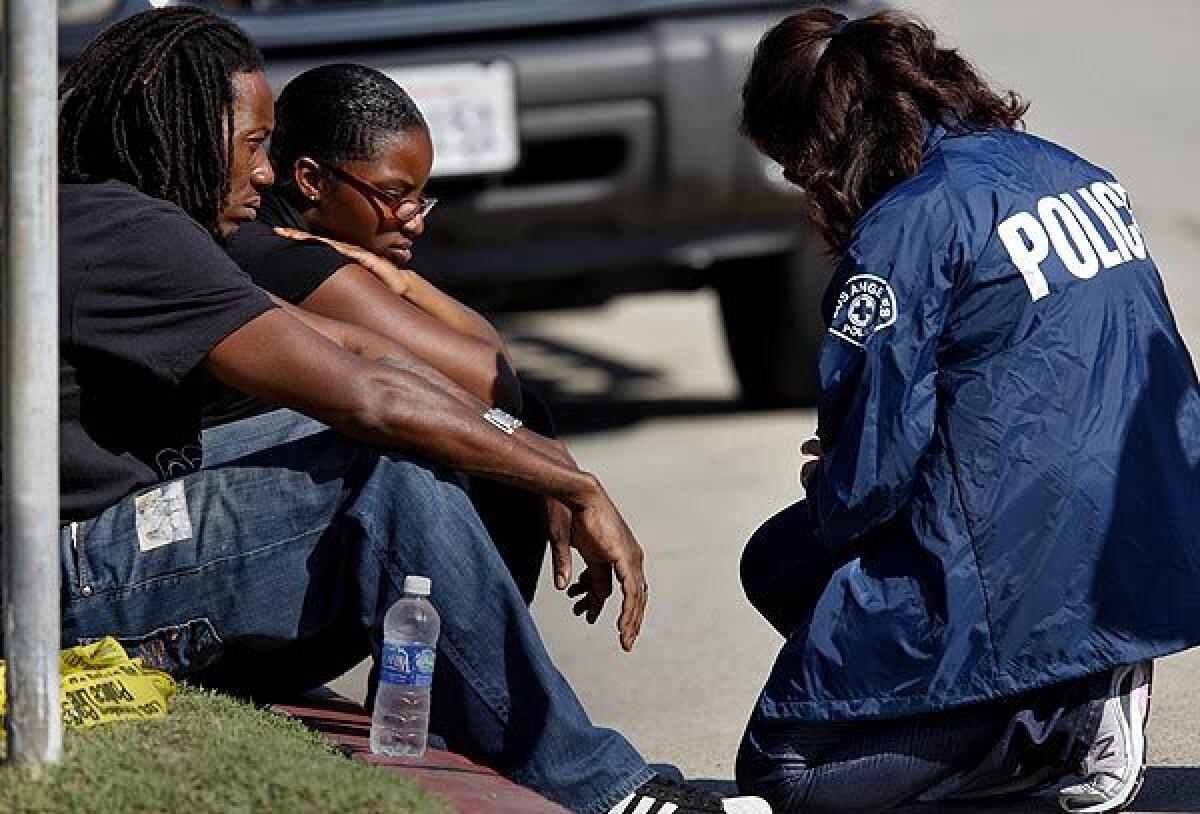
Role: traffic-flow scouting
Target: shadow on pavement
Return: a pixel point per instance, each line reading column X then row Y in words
column 1167, row 790
column 1170, row 788
column 589, row 392
column 725, row 787
column 595, row 414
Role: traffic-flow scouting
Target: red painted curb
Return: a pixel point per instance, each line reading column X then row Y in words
column 471, row 788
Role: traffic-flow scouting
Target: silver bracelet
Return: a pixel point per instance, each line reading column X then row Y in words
column 502, row 420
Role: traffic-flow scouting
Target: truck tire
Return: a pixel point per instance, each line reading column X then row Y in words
column 771, row 308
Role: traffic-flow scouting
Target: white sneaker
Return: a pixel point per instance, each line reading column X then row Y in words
column 662, row 796
column 1116, row 762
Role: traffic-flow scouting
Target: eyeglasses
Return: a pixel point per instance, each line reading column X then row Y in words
column 399, row 207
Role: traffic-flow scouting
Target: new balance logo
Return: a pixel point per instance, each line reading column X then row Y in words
column 1105, row 747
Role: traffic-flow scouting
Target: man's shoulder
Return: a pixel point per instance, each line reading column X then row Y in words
column 112, row 218
column 116, row 203
column 138, row 241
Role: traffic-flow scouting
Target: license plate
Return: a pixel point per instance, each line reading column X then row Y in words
column 472, row 114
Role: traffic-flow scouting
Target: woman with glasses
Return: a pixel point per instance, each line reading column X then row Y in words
column 352, row 154
column 335, row 236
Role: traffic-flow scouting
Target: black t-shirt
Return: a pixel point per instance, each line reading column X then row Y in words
column 144, row 295
column 290, row 269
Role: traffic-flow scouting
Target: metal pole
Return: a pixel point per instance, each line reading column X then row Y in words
column 30, row 369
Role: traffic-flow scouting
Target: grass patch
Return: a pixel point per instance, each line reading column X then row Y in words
column 210, row 754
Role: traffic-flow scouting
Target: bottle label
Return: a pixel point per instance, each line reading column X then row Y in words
column 407, row 665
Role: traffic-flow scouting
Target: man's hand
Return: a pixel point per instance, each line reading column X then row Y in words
column 394, row 277
column 608, row 547
column 558, row 518
column 558, row 528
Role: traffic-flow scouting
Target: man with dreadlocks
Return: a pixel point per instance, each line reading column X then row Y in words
column 272, row 571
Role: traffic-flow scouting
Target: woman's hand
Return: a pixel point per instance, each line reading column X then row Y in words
column 811, row 451
column 397, row 279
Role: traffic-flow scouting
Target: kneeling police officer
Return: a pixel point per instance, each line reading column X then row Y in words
column 1002, row 530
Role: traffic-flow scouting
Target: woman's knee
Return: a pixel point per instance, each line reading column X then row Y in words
column 754, row 571
column 763, row 771
column 764, row 555
column 793, row 779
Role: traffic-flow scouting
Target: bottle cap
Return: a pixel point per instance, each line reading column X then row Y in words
column 418, row 586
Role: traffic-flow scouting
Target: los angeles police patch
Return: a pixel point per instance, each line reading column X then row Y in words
column 865, row 305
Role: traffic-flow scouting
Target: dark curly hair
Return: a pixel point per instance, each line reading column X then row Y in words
column 338, row 113
column 843, row 106
column 150, row 102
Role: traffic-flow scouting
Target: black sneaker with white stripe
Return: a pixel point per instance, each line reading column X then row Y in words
column 662, row 796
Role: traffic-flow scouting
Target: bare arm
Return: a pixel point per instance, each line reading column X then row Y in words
column 279, row 359
column 441, row 306
column 400, row 304
column 355, row 295
column 376, row 347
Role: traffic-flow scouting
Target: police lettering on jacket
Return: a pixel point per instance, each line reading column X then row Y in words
column 1084, row 228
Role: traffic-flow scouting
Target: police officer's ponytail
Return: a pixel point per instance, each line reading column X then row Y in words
column 844, row 106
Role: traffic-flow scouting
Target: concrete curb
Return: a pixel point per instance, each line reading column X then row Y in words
column 471, row 788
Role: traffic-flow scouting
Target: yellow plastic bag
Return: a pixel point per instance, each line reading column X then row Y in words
column 101, row 684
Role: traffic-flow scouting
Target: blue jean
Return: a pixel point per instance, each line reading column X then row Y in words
column 300, row 543
column 865, row 766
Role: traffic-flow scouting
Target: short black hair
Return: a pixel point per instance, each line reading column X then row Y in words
column 338, row 113
column 150, row 102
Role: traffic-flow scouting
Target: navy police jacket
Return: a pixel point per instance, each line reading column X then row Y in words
column 1012, row 433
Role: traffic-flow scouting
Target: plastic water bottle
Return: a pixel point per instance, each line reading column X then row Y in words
column 400, row 723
